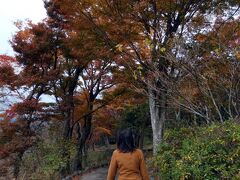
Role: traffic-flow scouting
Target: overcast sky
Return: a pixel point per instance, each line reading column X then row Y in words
column 12, row 10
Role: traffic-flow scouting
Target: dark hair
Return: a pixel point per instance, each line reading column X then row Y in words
column 125, row 141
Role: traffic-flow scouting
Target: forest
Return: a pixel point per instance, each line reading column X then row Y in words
column 168, row 69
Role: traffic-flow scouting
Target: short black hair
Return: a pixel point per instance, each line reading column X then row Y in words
column 125, row 141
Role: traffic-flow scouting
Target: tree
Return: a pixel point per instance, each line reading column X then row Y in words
column 141, row 33
column 63, row 61
column 208, row 86
column 7, row 76
column 96, row 78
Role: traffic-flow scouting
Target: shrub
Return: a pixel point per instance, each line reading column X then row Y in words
column 45, row 160
column 211, row 152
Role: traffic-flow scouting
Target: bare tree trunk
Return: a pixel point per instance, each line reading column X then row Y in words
column 157, row 105
column 207, row 115
column 215, row 104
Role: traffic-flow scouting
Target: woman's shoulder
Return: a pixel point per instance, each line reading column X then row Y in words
column 139, row 153
column 115, row 151
column 138, row 150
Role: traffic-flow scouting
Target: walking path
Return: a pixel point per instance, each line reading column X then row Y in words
column 98, row 174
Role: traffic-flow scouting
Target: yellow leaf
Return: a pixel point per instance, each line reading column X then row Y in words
column 119, row 47
column 163, row 49
column 139, row 67
column 134, row 75
column 148, row 41
column 217, row 51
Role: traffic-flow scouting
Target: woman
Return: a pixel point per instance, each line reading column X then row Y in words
column 127, row 159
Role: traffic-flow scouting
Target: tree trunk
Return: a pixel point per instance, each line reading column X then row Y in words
column 157, row 105
column 67, row 125
column 67, row 133
column 83, row 136
column 17, row 164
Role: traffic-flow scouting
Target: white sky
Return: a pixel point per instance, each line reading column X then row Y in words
column 12, row 10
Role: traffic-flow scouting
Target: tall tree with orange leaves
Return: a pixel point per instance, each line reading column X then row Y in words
column 141, row 33
column 61, row 61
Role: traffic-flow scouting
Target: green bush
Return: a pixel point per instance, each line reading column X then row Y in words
column 45, row 160
column 211, row 152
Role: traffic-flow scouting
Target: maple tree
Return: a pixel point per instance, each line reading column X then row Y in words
column 55, row 60
column 142, row 34
column 15, row 126
column 7, row 75
column 98, row 57
column 95, row 79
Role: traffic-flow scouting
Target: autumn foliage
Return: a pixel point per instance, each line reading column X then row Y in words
column 89, row 66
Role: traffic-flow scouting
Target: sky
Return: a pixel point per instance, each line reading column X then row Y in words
column 13, row 10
